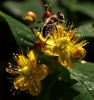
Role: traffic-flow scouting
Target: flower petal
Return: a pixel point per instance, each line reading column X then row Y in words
column 40, row 72
column 20, row 83
column 51, row 50
column 65, row 59
column 34, row 87
column 32, row 59
column 46, row 40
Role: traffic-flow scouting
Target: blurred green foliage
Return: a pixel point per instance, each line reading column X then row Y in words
column 15, row 33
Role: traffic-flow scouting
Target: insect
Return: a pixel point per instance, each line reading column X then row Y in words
column 51, row 22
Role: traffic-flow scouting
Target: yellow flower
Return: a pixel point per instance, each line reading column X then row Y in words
column 63, row 43
column 29, row 73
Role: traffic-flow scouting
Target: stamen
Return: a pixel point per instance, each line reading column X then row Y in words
column 18, row 92
column 12, row 88
column 15, row 92
column 26, row 91
column 10, row 78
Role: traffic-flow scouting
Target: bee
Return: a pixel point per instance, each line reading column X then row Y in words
column 51, row 22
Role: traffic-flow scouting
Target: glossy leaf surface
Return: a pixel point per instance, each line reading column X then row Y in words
column 21, row 33
column 84, row 74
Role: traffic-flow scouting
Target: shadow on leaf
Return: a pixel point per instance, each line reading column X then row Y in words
column 63, row 90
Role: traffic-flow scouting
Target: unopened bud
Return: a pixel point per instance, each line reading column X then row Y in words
column 47, row 14
column 38, row 45
column 78, row 53
column 30, row 18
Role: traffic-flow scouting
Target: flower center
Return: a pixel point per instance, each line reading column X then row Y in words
column 26, row 71
column 62, row 42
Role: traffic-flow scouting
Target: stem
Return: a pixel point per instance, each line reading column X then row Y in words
column 31, row 28
column 48, row 6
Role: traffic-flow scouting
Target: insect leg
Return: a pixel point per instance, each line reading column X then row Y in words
column 46, row 41
column 56, row 29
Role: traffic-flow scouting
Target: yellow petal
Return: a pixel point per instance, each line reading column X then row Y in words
column 51, row 50
column 32, row 59
column 34, row 88
column 20, row 83
column 40, row 72
column 65, row 59
column 46, row 40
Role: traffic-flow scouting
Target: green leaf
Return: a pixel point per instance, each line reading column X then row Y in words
column 84, row 74
column 19, row 9
column 54, row 65
column 86, row 29
column 86, row 8
column 47, row 84
column 83, row 7
column 63, row 90
column 21, row 33
column 65, row 74
column 55, row 7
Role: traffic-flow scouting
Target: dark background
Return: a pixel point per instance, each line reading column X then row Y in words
column 8, row 45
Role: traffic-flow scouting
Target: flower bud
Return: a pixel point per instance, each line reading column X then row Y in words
column 38, row 45
column 78, row 53
column 47, row 14
column 30, row 18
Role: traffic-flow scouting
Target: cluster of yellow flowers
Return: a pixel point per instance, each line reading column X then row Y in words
column 62, row 42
